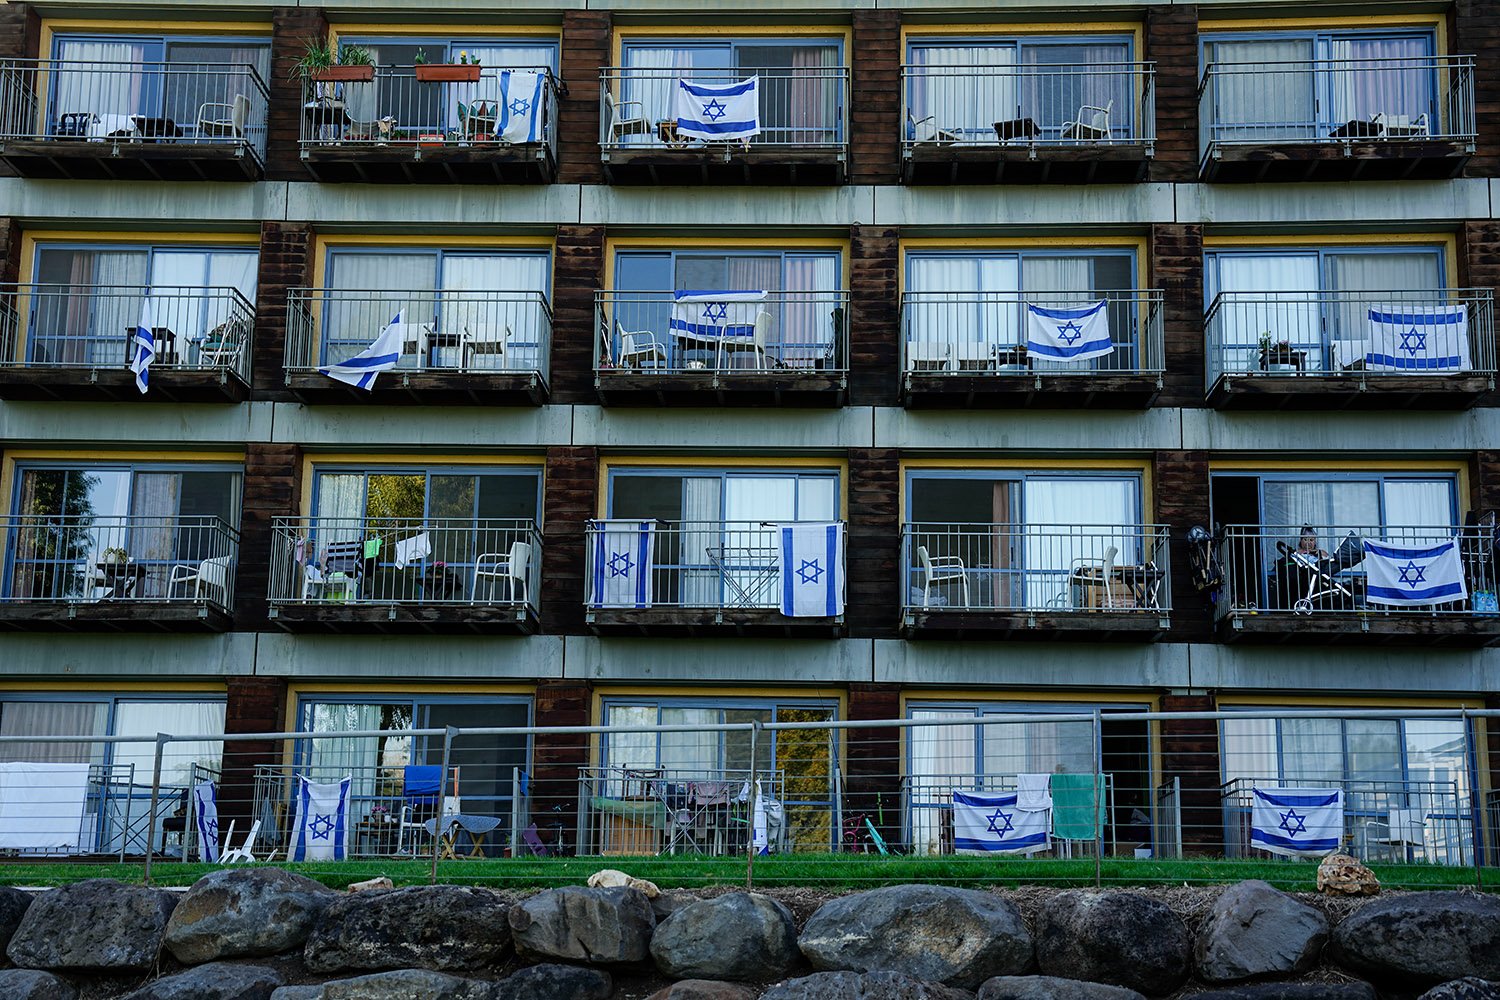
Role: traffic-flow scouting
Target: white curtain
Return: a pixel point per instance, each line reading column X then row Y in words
column 807, row 321
column 366, row 290
column 1052, row 282
column 654, row 86
column 186, row 718
column 156, row 498
column 121, row 274
column 110, row 81
column 485, row 294
column 752, row 550
column 1054, row 510
column 1278, row 299
column 965, row 89
column 969, row 305
column 1372, row 76
column 942, row 759
column 341, row 505
column 1416, row 504
column 701, row 514
column 1249, row 749
column 1265, row 92
column 690, row 756
column 1384, row 280
column 1312, row 751
column 41, row 719
column 1013, row 748
column 330, row 757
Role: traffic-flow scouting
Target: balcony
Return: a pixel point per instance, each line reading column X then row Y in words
column 398, row 128
column 1280, row 586
column 1068, row 124
column 142, row 121
column 87, row 573
column 1103, row 583
column 1350, row 350
column 74, row 342
column 1337, row 119
column 971, row 349
column 404, row 575
column 698, row 578
column 803, row 139
column 750, row 349
column 489, row 348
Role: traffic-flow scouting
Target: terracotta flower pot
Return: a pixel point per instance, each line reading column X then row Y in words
column 345, row 74
column 448, row 72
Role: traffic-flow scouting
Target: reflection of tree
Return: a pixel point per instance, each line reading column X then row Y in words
column 805, row 756
column 395, row 496
column 56, row 537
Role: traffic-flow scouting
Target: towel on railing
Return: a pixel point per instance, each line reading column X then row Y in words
column 1076, row 798
column 1034, row 792
column 413, row 549
column 41, row 806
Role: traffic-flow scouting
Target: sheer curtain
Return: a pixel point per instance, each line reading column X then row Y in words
column 330, row 757
column 340, row 508
column 1250, row 747
column 366, row 290
column 1277, row 298
column 1058, row 80
column 1071, row 520
column 1378, row 280
column 807, row 329
column 653, row 84
column 185, row 718
column 111, row 79
column 1312, row 751
column 215, row 72
column 750, row 501
column 40, row 719
column 1391, row 76
column 690, row 756
column 490, row 298
column 964, row 88
column 1051, row 282
column 942, row 758
column 1038, row 747
column 701, row 514
column 228, row 269
column 1264, row 90
column 1414, row 504
column 155, row 500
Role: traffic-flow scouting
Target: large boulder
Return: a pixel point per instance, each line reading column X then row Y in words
column 298, row 993
column 1255, row 930
column 956, row 936
column 407, row 984
column 555, row 982
column 1292, row 991
column 32, row 984
column 577, row 924
column 214, row 981
column 1051, row 988
column 1343, row 875
column 743, row 936
column 13, row 905
column 1121, row 938
column 244, row 912
column 1469, row 988
column 1422, row 937
column 703, row 989
column 862, row 986
column 94, row 925
column 442, row 927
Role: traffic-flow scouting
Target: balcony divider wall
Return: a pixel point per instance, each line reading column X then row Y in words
column 875, row 97
column 273, row 488
column 286, row 262
column 292, row 30
column 586, row 38
column 1172, row 44
column 874, row 312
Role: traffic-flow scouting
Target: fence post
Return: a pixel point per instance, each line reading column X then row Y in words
column 437, row 821
column 754, row 801
column 1098, row 793
column 161, row 742
column 1476, row 811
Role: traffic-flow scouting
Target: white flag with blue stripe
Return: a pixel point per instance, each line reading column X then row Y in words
column 321, row 832
column 812, row 569
column 623, row 560
column 712, row 111
column 990, row 823
column 1297, row 822
column 143, row 346
column 1068, row 334
column 206, row 817
column 520, row 106
column 1413, row 575
column 381, row 356
column 1408, row 339
column 714, row 315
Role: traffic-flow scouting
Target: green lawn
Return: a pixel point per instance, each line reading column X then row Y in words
column 811, row 870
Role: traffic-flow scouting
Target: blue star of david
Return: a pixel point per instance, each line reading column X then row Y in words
column 716, row 311
column 1412, row 574
column 520, row 106
column 1293, row 823
column 211, row 829
column 1413, row 341
column 620, row 564
column 810, row 571
column 1066, row 337
column 321, row 826
column 714, row 110
column 1000, row 817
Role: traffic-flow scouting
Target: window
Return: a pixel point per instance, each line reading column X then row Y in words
column 75, row 522
column 93, row 297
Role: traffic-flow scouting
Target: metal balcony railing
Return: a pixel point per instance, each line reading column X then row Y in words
column 804, row 108
column 395, row 108
column 1336, row 101
column 715, row 565
column 406, row 560
column 1035, row 567
column 692, row 810
column 94, row 326
column 1353, row 334
column 986, row 333
column 1322, row 569
column 927, row 810
column 479, row 332
column 178, row 103
column 1055, row 105
column 774, row 332
column 185, row 559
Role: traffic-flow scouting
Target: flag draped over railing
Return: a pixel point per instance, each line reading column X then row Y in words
column 711, row 315
column 711, row 111
column 321, row 832
column 1413, row 339
column 812, row 569
column 206, row 817
column 1297, row 822
column 521, row 105
column 985, row 823
column 1068, row 334
column 383, row 355
column 143, row 350
column 623, row 560
column 1407, row 575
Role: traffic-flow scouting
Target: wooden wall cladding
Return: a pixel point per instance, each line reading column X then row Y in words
column 578, row 272
column 874, row 316
column 292, row 28
column 874, row 543
column 1176, row 267
column 568, row 502
column 1190, row 753
column 273, row 488
column 286, row 261
column 585, row 51
column 1474, row 30
column 1179, row 484
column 875, row 98
column 1172, row 43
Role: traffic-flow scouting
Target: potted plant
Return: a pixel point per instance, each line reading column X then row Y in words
column 351, row 64
column 462, row 71
column 1278, row 356
column 115, row 556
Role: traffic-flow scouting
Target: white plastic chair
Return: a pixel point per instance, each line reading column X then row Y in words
column 245, row 852
column 619, row 125
column 1091, row 125
column 924, row 130
column 212, row 572
column 1402, row 830
column 217, row 120
column 1402, row 126
column 488, row 341
column 511, row 568
column 638, row 346
column 940, row 571
column 759, row 343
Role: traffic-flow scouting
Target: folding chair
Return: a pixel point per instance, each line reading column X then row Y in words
column 1091, row 125
column 421, row 788
column 217, row 120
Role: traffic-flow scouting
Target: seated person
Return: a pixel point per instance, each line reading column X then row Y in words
column 1310, row 569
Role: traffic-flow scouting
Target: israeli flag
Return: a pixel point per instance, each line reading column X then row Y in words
column 1406, row 575
column 383, row 355
column 990, row 823
column 143, row 350
column 1297, row 822
column 1068, row 334
column 623, row 564
column 206, row 819
column 714, row 315
column 712, row 111
column 520, row 106
column 1407, row 339
column 812, row 569
column 321, row 832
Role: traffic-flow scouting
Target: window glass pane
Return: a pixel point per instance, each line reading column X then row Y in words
column 648, row 497
column 374, row 761
column 1262, row 90
column 508, row 497
column 185, row 718
column 396, row 495
column 1079, row 81
column 88, row 321
column 485, row 765
column 817, row 498
column 1415, row 503
column 1250, row 750
column 212, row 72
column 690, row 755
column 1312, row 750
column 737, row 745
column 40, row 719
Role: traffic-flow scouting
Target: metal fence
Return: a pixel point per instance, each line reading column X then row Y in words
column 405, row 560
column 1036, row 567
column 800, row 108
column 972, row 333
column 1395, row 99
column 179, row 103
column 440, row 331
column 747, row 333
column 1314, row 569
column 1351, row 334
column 979, row 788
column 486, row 108
column 94, row 326
column 1052, row 105
column 186, row 559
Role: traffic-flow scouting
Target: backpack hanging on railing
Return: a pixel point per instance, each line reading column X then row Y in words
column 1203, row 557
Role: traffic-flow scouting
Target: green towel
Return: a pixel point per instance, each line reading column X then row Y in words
column 646, row 811
column 372, row 548
column 1074, row 798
